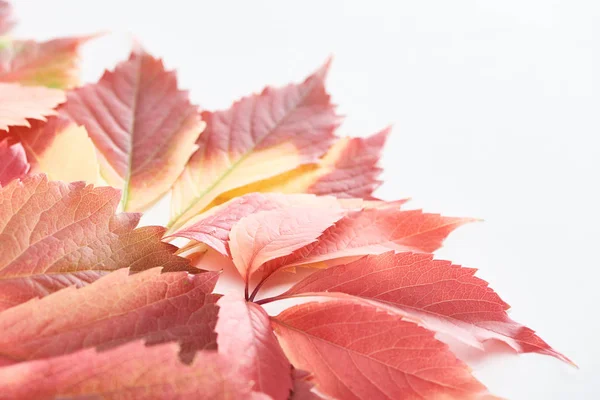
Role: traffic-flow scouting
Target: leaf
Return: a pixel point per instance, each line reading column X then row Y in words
column 7, row 21
column 60, row 149
column 117, row 308
column 214, row 226
column 13, row 163
column 19, row 103
column 348, row 170
column 358, row 352
column 143, row 126
column 245, row 337
column 259, row 137
column 372, row 231
column 269, row 235
column 52, row 63
column 445, row 298
column 131, row 371
column 56, row 234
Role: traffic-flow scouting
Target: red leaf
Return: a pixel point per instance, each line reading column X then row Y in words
column 131, row 371
column 13, row 163
column 372, row 231
column 143, row 126
column 445, row 298
column 259, row 137
column 52, row 63
column 246, row 339
column 358, row 352
column 19, row 103
column 55, row 234
column 214, row 226
column 353, row 171
column 117, row 308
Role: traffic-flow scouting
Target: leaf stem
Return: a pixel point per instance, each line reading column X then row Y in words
column 256, row 289
column 271, row 299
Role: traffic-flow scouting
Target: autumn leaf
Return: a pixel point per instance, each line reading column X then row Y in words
column 13, row 162
column 259, row 137
column 244, row 334
column 130, row 371
column 59, row 148
column 53, row 63
column 269, row 235
column 6, row 17
column 20, row 103
column 143, row 126
column 214, row 226
column 357, row 352
column 56, row 234
column 348, row 170
column 445, row 298
column 117, row 308
column 374, row 231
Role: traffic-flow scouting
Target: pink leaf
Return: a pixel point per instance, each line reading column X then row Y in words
column 353, row 172
column 117, row 308
column 56, row 234
column 246, row 339
column 358, row 352
column 6, row 17
column 269, row 235
column 52, row 63
column 143, row 126
column 19, row 103
column 13, row 163
column 131, row 371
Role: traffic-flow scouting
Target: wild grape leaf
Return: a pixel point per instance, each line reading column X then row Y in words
column 158, row 307
column 213, row 227
column 13, row 162
column 348, row 170
column 60, row 149
column 357, row 352
column 20, row 103
column 143, row 126
column 6, row 17
column 259, row 137
column 53, row 63
column 268, row 235
column 245, row 337
column 131, row 371
column 371, row 231
column 445, row 298
column 56, row 234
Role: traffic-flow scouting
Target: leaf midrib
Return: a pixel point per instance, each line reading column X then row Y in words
column 136, row 95
column 280, row 322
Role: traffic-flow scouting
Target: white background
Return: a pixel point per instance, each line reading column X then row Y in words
column 496, row 108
